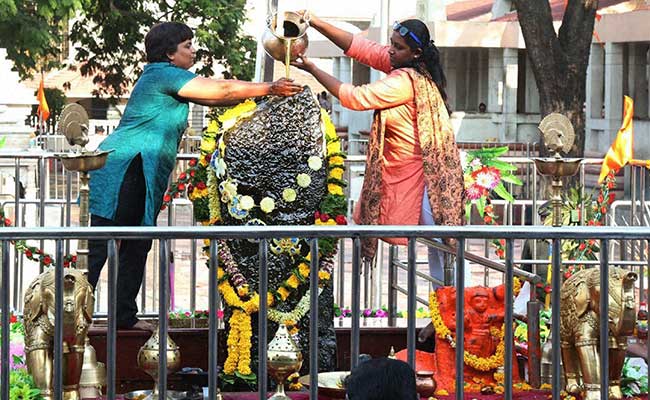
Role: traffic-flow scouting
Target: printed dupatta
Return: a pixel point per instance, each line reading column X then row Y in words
column 443, row 173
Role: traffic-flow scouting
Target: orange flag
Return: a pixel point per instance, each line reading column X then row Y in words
column 43, row 108
column 621, row 151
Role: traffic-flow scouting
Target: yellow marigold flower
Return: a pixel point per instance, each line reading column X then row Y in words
column 213, row 127
column 270, row 299
column 334, row 147
column 303, row 269
column 206, row 242
column 208, row 145
column 242, row 290
column 293, row 331
column 308, row 257
column 284, row 293
column 318, row 222
column 333, row 188
column 336, row 160
column 324, row 275
column 220, row 273
column 331, row 221
column 293, row 281
column 336, row 173
column 203, row 162
column 442, row 392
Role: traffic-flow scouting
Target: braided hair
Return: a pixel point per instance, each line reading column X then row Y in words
column 429, row 63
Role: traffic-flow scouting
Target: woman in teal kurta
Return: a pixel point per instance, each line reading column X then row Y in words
column 128, row 190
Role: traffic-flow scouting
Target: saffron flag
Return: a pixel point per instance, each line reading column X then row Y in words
column 620, row 153
column 43, row 109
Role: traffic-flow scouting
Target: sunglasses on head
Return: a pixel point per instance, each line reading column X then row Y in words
column 403, row 31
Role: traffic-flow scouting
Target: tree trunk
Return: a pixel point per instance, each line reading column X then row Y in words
column 559, row 61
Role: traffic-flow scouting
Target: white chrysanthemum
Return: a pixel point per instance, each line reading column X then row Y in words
column 315, row 163
column 289, row 195
column 303, row 180
column 246, row 203
column 267, row 205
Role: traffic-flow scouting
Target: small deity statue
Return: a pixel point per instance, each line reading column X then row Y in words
column 478, row 338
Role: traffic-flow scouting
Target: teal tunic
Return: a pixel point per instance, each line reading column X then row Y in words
column 152, row 126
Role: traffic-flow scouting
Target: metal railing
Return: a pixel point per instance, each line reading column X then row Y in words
column 311, row 233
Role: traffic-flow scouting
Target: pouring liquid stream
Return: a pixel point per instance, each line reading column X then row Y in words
column 291, row 31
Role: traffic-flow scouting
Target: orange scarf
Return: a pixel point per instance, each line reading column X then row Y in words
column 443, row 173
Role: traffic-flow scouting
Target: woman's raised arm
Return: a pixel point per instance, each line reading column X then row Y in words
column 341, row 38
column 212, row 92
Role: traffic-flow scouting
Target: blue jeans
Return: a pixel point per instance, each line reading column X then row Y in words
column 436, row 257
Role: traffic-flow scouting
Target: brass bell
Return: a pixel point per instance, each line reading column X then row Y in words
column 93, row 374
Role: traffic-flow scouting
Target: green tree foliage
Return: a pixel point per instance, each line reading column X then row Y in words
column 111, row 34
column 32, row 31
column 108, row 36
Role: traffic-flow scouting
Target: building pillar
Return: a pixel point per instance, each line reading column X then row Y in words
column 595, row 79
column 532, row 92
column 495, row 81
column 638, row 79
column 511, row 72
column 336, row 104
column 450, row 65
column 342, row 71
column 500, row 8
column 613, row 88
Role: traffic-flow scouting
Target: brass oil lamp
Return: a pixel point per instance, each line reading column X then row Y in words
column 148, row 360
column 284, row 359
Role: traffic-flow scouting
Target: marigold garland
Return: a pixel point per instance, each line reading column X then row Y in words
column 471, row 360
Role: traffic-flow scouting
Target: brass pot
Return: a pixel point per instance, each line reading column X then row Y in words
column 425, row 384
column 294, row 31
column 93, row 374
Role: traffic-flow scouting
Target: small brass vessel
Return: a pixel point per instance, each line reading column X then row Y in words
column 284, row 358
column 148, row 360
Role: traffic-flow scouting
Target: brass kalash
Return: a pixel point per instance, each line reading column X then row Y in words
column 78, row 296
column 580, row 294
column 286, row 41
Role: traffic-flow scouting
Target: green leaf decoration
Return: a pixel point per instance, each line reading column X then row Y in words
column 503, row 193
column 480, row 206
column 500, row 165
column 509, row 178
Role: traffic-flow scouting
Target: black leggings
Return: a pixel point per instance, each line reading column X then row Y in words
column 132, row 253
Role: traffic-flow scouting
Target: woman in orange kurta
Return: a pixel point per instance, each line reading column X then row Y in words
column 413, row 172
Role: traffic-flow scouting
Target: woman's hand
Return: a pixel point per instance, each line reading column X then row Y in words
column 303, row 63
column 284, row 87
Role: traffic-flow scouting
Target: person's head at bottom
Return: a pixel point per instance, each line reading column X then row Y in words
column 381, row 379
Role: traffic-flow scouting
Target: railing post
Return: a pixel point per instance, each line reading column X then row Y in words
column 354, row 333
column 604, row 320
column 163, row 307
column 262, row 326
column 460, row 322
column 508, row 336
column 392, row 282
column 58, row 323
column 213, row 339
column 112, row 319
column 556, row 277
column 412, row 293
column 313, row 320
column 4, row 324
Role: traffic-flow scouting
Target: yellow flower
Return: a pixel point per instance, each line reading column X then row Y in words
column 242, row 290
column 213, row 127
column 289, row 195
column 308, row 257
column 334, row 147
column 336, row 160
column 324, row 275
column 336, row 173
column 246, row 202
column 442, row 392
column 208, row 145
column 270, row 299
column 293, row 331
column 304, row 270
column 220, row 273
column 203, row 162
column 267, row 204
column 303, row 180
column 293, row 281
column 284, row 293
column 232, row 115
column 333, row 188
column 327, row 126
column 315, row 163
